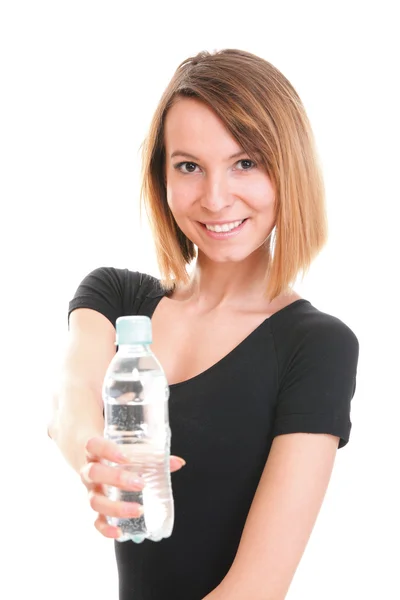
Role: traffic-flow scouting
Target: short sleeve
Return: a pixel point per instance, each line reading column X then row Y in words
column 105, row 290
column 316, row 391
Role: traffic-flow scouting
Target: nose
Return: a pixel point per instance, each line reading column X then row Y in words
column 216, row 196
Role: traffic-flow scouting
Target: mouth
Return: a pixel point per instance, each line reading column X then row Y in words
column 224, row 230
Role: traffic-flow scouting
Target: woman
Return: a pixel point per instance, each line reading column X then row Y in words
column 232, row 186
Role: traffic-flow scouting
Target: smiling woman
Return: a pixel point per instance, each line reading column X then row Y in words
column 241, row 132
column 260, row 380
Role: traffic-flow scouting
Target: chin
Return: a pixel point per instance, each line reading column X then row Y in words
column 225, row 257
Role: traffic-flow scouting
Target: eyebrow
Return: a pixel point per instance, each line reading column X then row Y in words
column 188, row 155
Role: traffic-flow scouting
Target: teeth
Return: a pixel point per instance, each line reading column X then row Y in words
column 225, row 227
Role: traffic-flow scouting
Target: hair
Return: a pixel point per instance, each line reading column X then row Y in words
column 264, row 114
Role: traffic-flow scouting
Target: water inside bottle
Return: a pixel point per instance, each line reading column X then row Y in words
column 142, row 431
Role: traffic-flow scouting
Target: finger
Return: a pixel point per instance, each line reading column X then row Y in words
column 176, row 463
column 112, row 508
column 100, row 448
column 109, row 531
column 98, row 473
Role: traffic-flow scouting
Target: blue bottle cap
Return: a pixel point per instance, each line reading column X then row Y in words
column 133, row 330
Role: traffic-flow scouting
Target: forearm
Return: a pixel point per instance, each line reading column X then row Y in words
column 77, row 416
column 228, row 591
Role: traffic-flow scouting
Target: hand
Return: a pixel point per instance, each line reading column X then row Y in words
column 95, row 474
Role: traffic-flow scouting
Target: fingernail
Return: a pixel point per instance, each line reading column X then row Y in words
column 180, row 460
column 119, row 455
column 85, row 474
column 134, row 481
column 87, row 478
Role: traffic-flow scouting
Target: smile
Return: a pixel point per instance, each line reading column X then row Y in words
column 225, row 227
column 225, row 230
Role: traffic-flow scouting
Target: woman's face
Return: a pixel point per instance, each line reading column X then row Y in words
column 212, row 182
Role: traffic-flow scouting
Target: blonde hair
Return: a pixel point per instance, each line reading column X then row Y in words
column 263, row 112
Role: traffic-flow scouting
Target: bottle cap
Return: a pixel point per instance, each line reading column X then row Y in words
column 133, row 330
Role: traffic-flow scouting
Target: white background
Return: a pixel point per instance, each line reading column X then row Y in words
column 79, row 83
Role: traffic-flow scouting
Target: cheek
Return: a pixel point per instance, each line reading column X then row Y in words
column 256, row 188
column 174, row 198
column 180, row 195
column 262, row 197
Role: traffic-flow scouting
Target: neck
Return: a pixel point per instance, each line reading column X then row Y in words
column 227, row 284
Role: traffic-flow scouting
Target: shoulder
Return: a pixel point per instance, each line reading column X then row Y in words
column 317, row 356
column 305, row 335
column 114, row 291
column 304, row 324
column 120, row 279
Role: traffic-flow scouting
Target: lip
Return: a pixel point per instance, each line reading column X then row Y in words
column 219, row 222
column 223, row 235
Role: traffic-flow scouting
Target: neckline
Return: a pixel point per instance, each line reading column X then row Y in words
column 237, row 348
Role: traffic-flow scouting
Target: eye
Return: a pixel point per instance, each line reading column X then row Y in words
column 185, row 167
column 246, row 164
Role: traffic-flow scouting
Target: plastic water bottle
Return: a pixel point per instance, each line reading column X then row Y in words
column 135, row 395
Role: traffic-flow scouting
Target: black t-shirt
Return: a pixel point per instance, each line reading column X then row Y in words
column 296, row 372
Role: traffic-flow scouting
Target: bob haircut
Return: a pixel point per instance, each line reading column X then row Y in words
column 264, row 114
